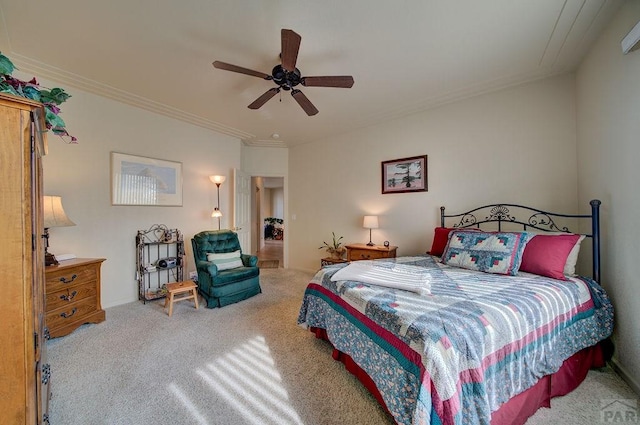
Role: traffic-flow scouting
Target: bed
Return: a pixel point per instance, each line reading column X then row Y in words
column 484, row 329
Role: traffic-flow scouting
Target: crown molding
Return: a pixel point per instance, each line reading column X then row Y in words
column 69, row 79
column 265, row 143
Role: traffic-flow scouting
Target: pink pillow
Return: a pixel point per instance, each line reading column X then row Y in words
column 546, row 255
column 440, row 238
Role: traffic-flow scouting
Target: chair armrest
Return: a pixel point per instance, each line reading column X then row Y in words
column 208, row 267
column 249, row 260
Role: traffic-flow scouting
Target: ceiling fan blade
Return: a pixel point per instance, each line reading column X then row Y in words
column 264, row 98
column 343, row 81
column 234, row 68
column 290, row 46
column 304, row 102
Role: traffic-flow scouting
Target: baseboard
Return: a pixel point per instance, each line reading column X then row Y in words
column 625, row 376
column 300, row 269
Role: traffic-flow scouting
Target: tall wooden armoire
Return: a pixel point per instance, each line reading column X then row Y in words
column 24, row 371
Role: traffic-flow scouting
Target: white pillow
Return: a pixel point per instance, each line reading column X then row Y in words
column 225, row 260
column 572, row 259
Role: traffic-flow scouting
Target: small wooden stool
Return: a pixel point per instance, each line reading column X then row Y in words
column 178, row 288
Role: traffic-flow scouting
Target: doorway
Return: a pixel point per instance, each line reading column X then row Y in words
column 269, row 220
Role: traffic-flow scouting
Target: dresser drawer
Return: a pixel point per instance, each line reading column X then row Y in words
column 71, row 313
column 70, row 295
column 63, row 279
column 359, row 251
column 363, row 254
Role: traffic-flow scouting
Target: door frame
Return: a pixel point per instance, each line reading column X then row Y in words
column 285, row 188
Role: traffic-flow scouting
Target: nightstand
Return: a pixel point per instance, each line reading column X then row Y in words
column 72, row 292
column 361, row 251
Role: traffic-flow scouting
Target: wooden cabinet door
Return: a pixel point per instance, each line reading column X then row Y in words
column 42, row 367
column 22, row 263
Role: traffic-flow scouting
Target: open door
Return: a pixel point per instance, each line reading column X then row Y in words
column 242, row 208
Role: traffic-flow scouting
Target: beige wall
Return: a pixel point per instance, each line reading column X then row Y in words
column 608, row 127
column 80, row 174
column 517, row 145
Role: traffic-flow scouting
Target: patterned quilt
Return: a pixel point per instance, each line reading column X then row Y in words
column 455, row 355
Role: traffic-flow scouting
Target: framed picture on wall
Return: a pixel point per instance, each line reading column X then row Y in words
column 138, row 180
column 405, row 175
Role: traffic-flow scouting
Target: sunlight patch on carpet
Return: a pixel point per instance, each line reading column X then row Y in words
column 247, row 379
column 188, row 404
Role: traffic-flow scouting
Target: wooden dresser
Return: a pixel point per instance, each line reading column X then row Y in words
column 73, row 295
column 361, row 251
column 24, row 371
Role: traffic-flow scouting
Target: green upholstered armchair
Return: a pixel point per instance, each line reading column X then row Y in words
column 222, row 287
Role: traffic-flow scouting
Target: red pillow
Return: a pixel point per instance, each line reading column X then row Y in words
column 546, row 255
column 440, row 239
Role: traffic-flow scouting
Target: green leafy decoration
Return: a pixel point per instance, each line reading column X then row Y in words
column 53, row 119
column 32, row 90
column 31, row 93
column 6, row 67
column 56, row 96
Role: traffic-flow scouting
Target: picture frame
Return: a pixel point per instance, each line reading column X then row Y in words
column 405, row 175
column 138, row 180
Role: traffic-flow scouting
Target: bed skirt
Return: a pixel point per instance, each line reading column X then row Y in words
column 517, row 410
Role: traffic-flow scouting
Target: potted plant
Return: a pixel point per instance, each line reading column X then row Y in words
column 335, row 249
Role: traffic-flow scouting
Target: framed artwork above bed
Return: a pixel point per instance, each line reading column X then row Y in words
column 405, row 175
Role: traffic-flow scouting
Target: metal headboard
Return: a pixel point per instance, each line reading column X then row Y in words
column 538, row 219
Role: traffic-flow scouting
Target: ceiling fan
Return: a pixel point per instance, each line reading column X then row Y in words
column 287, row 76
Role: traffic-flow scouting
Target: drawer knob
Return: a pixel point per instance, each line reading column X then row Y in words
column 69, row 297
column 66, row 316
column 64, row 279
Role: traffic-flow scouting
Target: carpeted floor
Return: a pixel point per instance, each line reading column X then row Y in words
column 247, row 363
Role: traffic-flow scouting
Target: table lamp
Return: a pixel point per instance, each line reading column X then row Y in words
column 370, row 222
column 54, row 216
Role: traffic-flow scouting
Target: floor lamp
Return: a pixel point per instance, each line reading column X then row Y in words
column 218, row 180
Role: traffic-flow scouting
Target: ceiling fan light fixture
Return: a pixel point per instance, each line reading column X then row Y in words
column 287, row 76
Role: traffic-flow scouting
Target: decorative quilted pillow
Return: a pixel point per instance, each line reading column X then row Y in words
column 441, row 237
column 225, row 260
column 499, row 252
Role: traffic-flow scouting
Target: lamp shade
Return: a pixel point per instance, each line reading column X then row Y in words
column 216, row 213
column 54, row 215
column 370, row 222
column 218, row 179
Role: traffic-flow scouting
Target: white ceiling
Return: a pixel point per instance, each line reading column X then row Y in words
column 405, row 55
